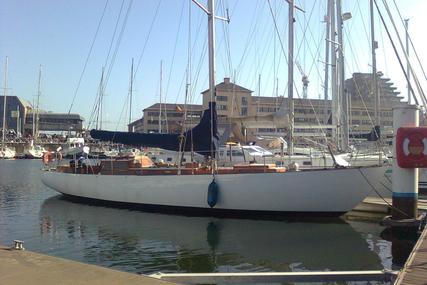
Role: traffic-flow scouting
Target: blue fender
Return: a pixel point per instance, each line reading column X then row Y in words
column 213, row 191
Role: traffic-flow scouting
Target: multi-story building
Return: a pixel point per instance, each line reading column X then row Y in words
column 232, row 100
column 21, row 117
column 236, row 101
column 362, row 101
column 55, row 122
column 136, row 126
column 170, row 116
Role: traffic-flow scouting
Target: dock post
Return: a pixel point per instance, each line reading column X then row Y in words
column 404, row 180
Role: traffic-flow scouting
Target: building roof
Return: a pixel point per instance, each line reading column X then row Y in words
column 25, row 103
column 226, row 85
column 136, row 122
column 175, row 107
column 61, row 115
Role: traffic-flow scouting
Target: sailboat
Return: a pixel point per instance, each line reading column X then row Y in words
column 242, row 190
column 34, row 150
column 5, row 151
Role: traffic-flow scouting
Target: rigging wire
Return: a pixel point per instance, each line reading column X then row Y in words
column 174, row 51
column 410, row 39
column 248, row 39
column 364, row 25
column 379, row 194
column 226, row 32
column 114, row 33
column 118, row 42
column 88, row 56
column 395, row 50
column 147, row 37
column 417, row 82
column 98, row 99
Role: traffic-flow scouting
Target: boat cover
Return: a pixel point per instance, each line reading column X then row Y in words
column 204, row 136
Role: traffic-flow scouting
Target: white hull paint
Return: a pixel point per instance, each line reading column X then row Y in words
column 34, row 152
column 7, row 153
column 332, row 190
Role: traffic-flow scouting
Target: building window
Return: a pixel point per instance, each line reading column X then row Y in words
column 221, row 107
column 266, row 130
column 222, row 98
column 266, row 109
column 244, row 101
column 244, row 111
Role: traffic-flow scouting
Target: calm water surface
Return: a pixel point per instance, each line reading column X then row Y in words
column 140, row 242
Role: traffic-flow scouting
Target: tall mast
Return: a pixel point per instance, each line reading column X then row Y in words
column 407, row 61
column 160, row 104
column 259, row 95
column 130, row 92
column 342, row 95
column 211, row 44
column 375, row 92
column 210, row 11
column 335, row 100
column 38, row 104
column 6, row 65
column 326, row 85
column 291, row 77
column 99, row 106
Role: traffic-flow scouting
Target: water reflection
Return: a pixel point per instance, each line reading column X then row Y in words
column 148, row 242
column 402, row 241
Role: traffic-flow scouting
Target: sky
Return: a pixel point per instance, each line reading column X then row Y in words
column 74, row 40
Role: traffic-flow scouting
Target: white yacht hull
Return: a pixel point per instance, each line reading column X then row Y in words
column 35, row 154
column 320, row 191
column 7, row 153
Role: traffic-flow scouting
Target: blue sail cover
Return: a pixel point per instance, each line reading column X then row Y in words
column 200, row 136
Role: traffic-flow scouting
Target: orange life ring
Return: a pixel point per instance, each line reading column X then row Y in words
column 47, row 157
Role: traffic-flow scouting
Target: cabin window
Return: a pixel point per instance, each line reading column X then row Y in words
column 306, row 163
column 169, row 159
column 235, row 153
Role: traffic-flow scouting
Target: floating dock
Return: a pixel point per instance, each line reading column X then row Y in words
column 21, row 267
column 383, row 205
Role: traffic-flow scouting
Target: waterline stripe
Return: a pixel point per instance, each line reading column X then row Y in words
column 405, row 195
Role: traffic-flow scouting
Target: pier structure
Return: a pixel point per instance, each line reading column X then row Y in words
column 404, row 180
column 21, row 267
column 414, row 272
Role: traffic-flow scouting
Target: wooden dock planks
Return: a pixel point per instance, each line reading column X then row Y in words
column 415, row 270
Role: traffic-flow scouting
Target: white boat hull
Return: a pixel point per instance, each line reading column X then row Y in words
column 7, row 153
column 320, row 191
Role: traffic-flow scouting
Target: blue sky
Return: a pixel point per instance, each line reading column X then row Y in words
column 58, row 35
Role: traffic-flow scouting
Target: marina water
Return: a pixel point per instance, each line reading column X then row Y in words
column 141, row 242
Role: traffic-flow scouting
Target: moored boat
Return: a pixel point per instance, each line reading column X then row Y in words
column 318, row 192
column 34, row 151
column 7, row 153
column 240, row 189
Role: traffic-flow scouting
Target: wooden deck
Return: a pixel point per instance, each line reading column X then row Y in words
column 415, row 270
column 378, row 205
